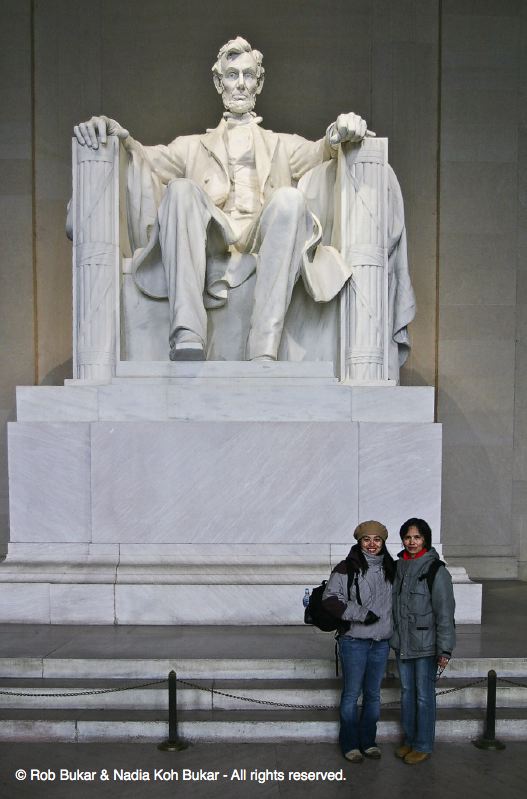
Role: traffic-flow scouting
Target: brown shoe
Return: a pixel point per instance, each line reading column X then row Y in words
column 402, row 751
column 412, row 758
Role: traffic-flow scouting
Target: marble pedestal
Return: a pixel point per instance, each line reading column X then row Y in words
column 208, row 493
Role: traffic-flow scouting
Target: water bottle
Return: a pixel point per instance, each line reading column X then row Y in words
column 305, row 600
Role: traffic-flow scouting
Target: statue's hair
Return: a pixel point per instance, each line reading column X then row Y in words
column 233, row 48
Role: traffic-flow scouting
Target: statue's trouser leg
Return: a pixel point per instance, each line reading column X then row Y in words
column 285, row 227
column 183, row 219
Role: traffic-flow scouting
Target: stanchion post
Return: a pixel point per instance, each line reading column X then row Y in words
column 173, row 743
column 488, row 740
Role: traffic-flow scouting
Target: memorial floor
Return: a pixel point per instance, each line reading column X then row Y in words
column 454, row 771
column 266, row 770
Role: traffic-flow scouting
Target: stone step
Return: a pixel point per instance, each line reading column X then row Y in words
column 230, row 694
column 261, row 725
column 224, row 668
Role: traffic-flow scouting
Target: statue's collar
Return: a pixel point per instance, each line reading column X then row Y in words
column 246, row 119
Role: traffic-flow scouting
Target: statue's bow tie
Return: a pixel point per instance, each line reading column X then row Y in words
column 236, row 119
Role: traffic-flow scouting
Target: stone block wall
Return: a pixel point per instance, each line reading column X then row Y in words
column 481, row 344
column 17, row 318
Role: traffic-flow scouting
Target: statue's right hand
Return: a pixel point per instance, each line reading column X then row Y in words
column 96, row 130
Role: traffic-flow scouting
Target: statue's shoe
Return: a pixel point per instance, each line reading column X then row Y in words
column 187, row 351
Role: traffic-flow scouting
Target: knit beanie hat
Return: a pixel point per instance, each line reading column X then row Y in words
column 371, row 528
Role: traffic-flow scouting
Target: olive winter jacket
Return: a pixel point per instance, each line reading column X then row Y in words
column 423, row 620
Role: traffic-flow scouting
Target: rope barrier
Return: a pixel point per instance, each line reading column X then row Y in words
column 94, row 692
column 175, row 743
column 216, row 692
column 512, row 682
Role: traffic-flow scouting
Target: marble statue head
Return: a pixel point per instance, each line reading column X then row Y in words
column 238, row 75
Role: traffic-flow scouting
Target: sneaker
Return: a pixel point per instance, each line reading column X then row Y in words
column 373, row 752
column 402, row 751
column 354, row 756
column 412, row 758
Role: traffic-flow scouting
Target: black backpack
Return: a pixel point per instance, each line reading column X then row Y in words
column 317, row 615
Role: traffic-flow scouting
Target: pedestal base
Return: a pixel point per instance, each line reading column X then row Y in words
column 167, row 584
column 199, row 500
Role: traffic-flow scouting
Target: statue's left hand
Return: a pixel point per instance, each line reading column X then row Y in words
column 348, row 127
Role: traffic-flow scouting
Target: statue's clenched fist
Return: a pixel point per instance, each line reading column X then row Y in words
column 348, row 127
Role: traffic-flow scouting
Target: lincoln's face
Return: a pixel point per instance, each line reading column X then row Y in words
column 239, row 83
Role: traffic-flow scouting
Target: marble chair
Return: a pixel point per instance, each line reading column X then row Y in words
column 114, row 321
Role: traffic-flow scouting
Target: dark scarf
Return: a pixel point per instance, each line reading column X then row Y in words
column 358, row 562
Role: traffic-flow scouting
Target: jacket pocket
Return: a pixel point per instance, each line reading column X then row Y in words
column 422, row 632
column 421, row 628
column 419, row 600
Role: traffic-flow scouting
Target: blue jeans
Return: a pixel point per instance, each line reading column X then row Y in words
column 418, row 701
column 363, row 666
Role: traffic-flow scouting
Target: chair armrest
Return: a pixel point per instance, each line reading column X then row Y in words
column 98, row 213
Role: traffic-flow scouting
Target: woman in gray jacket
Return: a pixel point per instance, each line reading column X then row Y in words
column 424, row 635
column 359, row 592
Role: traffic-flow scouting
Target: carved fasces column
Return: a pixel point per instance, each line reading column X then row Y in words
column 363, row 214
column 96, row 260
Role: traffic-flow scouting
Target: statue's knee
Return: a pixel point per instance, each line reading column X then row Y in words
column 288, row 201
column 182, row 191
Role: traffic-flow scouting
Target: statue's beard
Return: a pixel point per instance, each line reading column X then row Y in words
column 241, row 106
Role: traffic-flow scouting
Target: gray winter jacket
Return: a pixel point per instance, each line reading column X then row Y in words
column 374, row 593
column 423, row 621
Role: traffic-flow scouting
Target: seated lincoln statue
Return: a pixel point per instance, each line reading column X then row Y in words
column 198, row 205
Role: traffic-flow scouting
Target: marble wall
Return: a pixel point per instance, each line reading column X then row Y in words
column 63, row 60
column 482, row 367
column 17, row 342
column 519, row 485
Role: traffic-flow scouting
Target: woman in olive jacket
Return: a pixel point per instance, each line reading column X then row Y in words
column 423, row 637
